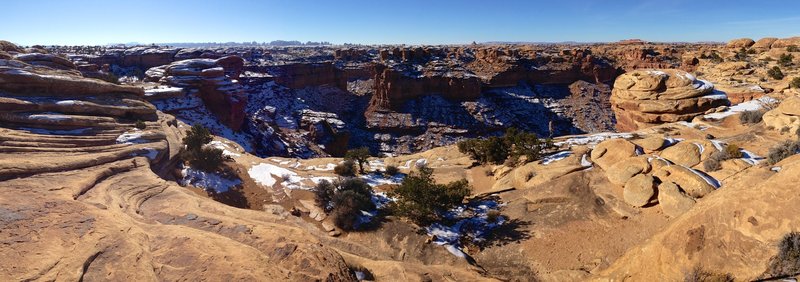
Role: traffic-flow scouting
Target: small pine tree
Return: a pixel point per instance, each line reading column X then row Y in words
column 359, row 155
column 785, row 60
column 422, row 200
column 196, row 137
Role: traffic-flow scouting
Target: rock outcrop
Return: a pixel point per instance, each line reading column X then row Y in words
column 393, row 87
column 647, row 97
column 216, row 82
column 302, row 75
column 786, row 42
column 786, row 117
column 765, row 43
column 740, row 43
column 81, row 200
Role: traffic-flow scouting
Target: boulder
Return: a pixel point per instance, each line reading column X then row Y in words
column 786, row 42
column 651, row 144
column 684, row 153
column 786, row 115
column 644, row 98
column 48, row 60
column 610, row 152
column 691, row 181
column 740, row 43
column 9, row 47
column 620, row 172
column 764, row 43
column 672, row 201
column 639, row 190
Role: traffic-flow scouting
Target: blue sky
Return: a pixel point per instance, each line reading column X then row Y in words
column 405, row 21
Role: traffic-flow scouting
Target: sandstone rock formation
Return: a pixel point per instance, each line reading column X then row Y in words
column 215, row 81
column 302, row 75
column 740, row 43
column 647, row 97
column 786, row 42
column 81, row 199
column 785, row 117
column 765, row 43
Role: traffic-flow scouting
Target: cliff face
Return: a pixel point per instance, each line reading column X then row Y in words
column 302, row 75
column 393, row 87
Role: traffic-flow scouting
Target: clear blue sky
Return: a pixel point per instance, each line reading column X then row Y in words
column 403, row 21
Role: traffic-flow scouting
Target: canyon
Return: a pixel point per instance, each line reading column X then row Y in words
column 97, row 185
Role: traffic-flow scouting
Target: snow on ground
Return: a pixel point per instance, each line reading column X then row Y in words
column 226, row 150
column 750, row 158
column 68, row 103
column 752, row 105
column 592, row 139
column 718, row 144
column 207, row 180
column 775, row 169
column 556, row 157
column 50, row 117
column 710, row 180
column 150, row 153
column 585, row 161
column 375, row 179
column 472, row 224
column 131, row 137
column 79, row 131
column 265, row 174
column 692, row 125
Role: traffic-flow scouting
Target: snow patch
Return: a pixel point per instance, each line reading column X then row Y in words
column 207, row 180
column 556, row 157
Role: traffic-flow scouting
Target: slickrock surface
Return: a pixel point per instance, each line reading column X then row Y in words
column 81, row 200
column 647, row 97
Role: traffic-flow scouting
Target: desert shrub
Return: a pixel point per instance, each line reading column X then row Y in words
column 493, row 216
column 392, row 170
column 422, row 200
column 699, row 274
column 206, row 159
column 196, row 137
column 514, row 145
column 359, row 155
column 792, row 48
column 713, row 163
column 350, row 197
column 347, row 207
column 741, row 55
column 782, row 151
column 785, row 60
column 714, row 57
column 787, row 262
column 751, row 116
column 775, row 73
column 140, row 124
column 323, row 195
column 751, row 51
column 795, row 83
column 346, row 168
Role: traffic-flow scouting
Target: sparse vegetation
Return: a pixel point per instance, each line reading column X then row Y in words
column 775, row 73
column 206, row 159
column 785, row 60
column 699, row 274
column 792, row 48
column 344, row 200
column 741, row 55
column 140, row 124
column 751, row 117
column 795, row 83
column 787, row 262
column 346, row 168
column 359, row 155
column 713, row 163
column 196, row 137
column 782, row 151
column 422, row 200
column 392, row 170
column 714, row 57
column 514, row 144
